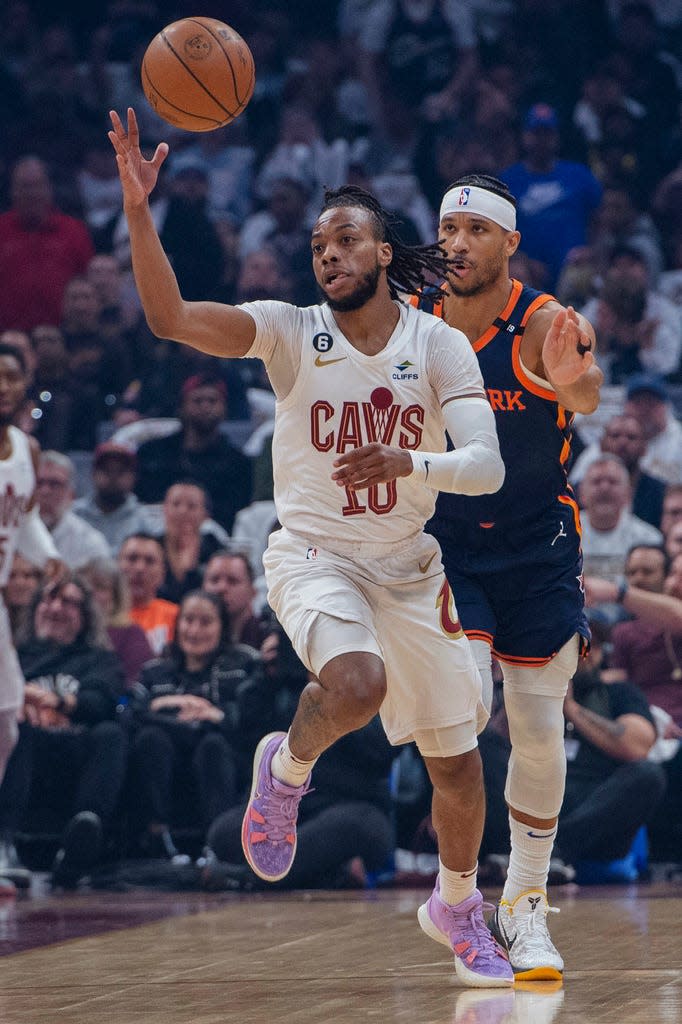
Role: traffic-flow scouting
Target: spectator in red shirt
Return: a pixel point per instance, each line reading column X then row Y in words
column 41, row 249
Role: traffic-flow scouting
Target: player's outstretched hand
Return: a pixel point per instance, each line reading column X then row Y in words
column 371, row 464
column 567, row 349
column 138, row 176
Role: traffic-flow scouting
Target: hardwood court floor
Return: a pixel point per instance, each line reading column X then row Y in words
column 188, row 958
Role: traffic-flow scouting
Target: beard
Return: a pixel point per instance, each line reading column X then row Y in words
column 364, row 291
column 488, row 273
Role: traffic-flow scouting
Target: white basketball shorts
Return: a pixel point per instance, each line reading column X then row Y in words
column 405, row 604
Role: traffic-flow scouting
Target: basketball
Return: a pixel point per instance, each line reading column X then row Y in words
column 198, row 74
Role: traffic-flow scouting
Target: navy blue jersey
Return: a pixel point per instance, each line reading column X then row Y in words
column 533, row 429
column 513, row 558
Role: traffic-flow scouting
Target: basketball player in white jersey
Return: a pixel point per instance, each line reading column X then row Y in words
column 365, row 388
column 22, row 530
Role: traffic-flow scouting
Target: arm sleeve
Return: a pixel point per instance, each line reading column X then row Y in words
column 475, row 466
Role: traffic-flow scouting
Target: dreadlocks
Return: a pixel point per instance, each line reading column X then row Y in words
column 413, row 266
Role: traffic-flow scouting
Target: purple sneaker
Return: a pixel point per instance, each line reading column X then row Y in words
column 479, row 961
column 269, row 825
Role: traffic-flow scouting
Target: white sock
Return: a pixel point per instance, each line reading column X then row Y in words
column 289, row 769
column 456, row 886
column 531, row 849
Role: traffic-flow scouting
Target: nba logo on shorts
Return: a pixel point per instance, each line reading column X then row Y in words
column 463, row 197
column 311, row 554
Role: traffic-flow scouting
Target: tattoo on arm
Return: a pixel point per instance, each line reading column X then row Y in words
column 611, row 730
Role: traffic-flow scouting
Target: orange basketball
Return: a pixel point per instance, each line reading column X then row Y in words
column 198, row 74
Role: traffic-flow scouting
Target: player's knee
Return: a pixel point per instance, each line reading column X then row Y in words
column 359, row 680
column 536, row 724
column 366, row 692
column 458, row 776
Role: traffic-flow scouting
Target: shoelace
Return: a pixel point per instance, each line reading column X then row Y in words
column 280, row 814
column 534, row 926
column 477, row 932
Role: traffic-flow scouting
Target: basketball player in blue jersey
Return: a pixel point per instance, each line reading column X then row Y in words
column 513, row 558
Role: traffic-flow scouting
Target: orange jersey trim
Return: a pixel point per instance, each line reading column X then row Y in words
column 519, row 372
column 437, row 310
column 512, row 659
column 479, row 634
column 490, row 333
column 523, row 378
column 540, row 300
column 572, row 503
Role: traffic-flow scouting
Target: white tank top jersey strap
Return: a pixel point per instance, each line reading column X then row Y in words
column 332, row 398
column 17, row 483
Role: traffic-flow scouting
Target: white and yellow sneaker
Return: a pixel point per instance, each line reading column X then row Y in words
column 521, row 928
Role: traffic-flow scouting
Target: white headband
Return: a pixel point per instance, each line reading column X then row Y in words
column 470, row 199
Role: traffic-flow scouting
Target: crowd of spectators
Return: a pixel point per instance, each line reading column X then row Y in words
column 152, row 671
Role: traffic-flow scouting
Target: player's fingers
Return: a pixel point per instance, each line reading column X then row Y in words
column 160, row 155
column 349, row 460
column 133, row 130
column 117, row 123
column 122, row 165
column 115, row 142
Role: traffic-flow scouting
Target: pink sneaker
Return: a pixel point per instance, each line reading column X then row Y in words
column 479, row 961
column 269, row 825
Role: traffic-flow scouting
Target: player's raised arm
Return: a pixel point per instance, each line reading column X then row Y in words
column 212, row 327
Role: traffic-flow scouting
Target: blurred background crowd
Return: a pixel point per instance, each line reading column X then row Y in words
column 156, row 479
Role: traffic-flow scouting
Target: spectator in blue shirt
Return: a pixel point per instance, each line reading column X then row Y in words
column 556, row 198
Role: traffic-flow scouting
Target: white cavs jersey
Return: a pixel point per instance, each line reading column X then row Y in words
column 331, row 398
column 17, row 483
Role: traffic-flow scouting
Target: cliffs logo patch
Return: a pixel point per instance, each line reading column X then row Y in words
column 403, row 371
